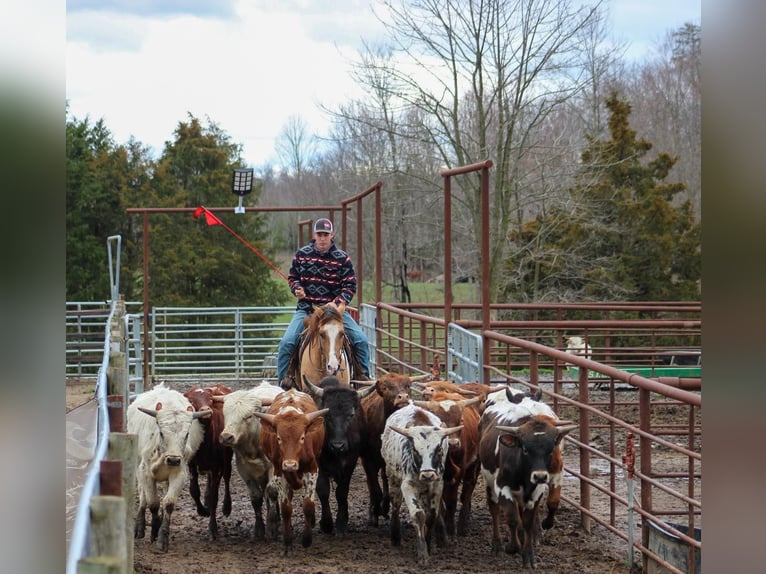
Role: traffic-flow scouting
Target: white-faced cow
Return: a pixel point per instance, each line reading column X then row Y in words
column 345, row 432
column 292, row 434
column 391, row 393
column 169, row 433
column 414, row 447
column 242, row 432
column 212, row 458
column 521, row 464
column 462, row 468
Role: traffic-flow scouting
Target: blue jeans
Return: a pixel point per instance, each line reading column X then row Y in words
column 359, row 342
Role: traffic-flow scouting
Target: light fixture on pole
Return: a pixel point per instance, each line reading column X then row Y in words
column 241, row 185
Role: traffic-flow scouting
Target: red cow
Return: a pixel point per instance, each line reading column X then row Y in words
column 391, row 393
column 292, row 434
column 212, row 458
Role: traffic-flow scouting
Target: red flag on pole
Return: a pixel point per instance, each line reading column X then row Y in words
column 210, row 217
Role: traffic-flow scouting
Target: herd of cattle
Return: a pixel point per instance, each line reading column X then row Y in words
column 425, row 452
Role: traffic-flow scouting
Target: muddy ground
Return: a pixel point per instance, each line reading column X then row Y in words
column 566, row 549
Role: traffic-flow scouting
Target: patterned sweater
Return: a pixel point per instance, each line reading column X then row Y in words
column 324, row 277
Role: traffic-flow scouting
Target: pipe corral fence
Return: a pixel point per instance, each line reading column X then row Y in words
column 624, row 470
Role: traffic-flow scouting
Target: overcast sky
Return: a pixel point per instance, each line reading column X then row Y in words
column 248, row 65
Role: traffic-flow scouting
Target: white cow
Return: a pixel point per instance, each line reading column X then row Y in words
column 576, row 345
column 414, row 447
column 169, row 435
column 242, row 432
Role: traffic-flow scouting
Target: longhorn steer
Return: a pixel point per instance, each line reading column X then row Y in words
column 242, row 432
column 414, row 447
column 345, row 432
column 212, row 458
column 521, row 463
column 292, row 435
column 391, row 393
column 462, row 457
column 169, row 433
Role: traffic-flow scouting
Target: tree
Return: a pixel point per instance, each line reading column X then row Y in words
column 193, row 264
column 620, row 236
column 480, row 79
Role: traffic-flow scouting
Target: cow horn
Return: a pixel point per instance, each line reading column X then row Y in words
column 150, row 412
column 271, row 419
column 418, row 378
column 316, row 414
column 513, row 430
column 366, row 391
column 218, row 398
column 313, row 389
column 562, row 422
column 402, row 431
column 451, row 430
column 469, row 402
column 205, row 413
column 428, row 405
column 565, row 429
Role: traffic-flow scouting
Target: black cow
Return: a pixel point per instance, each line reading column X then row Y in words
column 345, row 432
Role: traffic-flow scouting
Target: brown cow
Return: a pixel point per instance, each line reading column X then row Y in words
column 391, row 393
column 292, row 434
column 463, row 455
column 212, row 459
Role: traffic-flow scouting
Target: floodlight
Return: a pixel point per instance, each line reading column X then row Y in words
column 241, row 185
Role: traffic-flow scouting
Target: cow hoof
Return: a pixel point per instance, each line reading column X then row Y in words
column 226, row 507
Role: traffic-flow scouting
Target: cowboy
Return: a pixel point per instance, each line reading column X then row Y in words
column 321, row 273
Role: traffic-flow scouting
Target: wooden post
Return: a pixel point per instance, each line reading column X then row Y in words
column 101, row 565
column 124, row 447
column 107, row 531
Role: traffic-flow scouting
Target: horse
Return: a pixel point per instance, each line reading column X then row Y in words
column 323, row 348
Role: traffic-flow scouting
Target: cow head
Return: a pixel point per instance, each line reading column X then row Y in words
column 290, row 428
column 429, row 448
column 239, row 418
column 535, row 441
column 395, row 390
column 174, row 426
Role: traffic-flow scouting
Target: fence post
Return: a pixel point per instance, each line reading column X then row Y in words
column 124, row 447
column 107, row 534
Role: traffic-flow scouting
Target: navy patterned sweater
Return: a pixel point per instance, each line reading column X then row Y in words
column 324, row 277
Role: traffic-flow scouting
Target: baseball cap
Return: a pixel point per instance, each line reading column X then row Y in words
column 323, row 225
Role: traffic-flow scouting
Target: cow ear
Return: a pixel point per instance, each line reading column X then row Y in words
column 158, row 406
column 508, row 440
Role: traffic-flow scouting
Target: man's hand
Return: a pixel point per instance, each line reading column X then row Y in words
column 300, row 293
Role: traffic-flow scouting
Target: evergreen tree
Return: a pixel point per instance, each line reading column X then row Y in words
column 620, row 236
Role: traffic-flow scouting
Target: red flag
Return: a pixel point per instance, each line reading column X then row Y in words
column 210, row 218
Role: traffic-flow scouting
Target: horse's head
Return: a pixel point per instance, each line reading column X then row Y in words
column 325, row 342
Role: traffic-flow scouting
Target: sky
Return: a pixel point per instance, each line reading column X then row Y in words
column 249, row 65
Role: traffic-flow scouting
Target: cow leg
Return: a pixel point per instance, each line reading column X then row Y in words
column 373, row 487
column 286, row 510
column 435, row 522
column 139, row 530
column 272, row 510
column 194, row 490
column 449, row 498
column 309, row 509
column 226, row 479
column 554, row 497
column 342, row 486
column 419, row 519
column 528, row 546
column 385, row 502
column 211, row 499
column 513, row 522
column 323, row 492
column 494, row 512
column 466, row 495
column 395, row 524
column 163, row 534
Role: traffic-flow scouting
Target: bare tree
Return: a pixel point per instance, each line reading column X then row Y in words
column 481, row 79
column 295, row 146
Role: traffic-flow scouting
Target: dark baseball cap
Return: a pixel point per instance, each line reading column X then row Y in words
column 323, row 226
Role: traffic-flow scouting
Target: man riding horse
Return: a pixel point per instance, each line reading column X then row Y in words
column 321, row 274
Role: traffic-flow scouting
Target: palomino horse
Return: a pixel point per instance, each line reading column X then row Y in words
column 322, row 347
